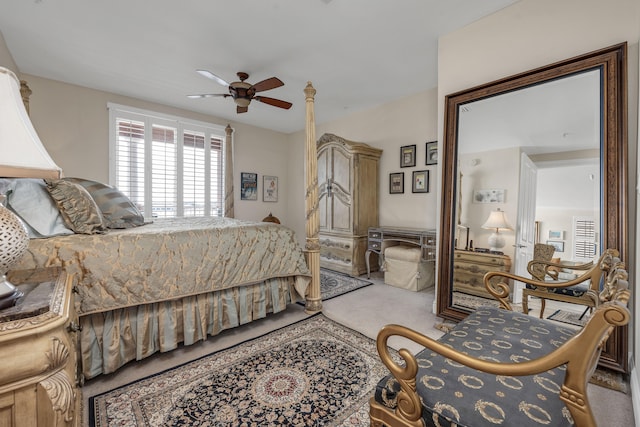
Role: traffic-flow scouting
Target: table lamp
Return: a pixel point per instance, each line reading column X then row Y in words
column 23, row 156
column 497, row 221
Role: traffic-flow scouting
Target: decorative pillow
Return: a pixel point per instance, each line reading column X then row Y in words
column 117, row 209
column 29, row 199
column 79, row 211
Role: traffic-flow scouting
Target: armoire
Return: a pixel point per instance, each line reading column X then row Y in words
column 347, row 202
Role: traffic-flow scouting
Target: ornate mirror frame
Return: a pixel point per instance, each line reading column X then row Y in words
column 612, row 63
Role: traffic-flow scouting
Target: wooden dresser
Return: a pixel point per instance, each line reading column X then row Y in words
column 347, row 202
column 38, row 352
column 469, row 269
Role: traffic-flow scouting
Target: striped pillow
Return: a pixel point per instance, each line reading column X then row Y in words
column 117, row 209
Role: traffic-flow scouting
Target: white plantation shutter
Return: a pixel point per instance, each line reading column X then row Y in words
column 584, row 238
column 129, row 168
column 217, row 174
column 195, row 173
column 164, row 172
column 164, row 165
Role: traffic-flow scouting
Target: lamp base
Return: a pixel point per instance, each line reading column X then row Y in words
column 9, row 294
column 496, row 242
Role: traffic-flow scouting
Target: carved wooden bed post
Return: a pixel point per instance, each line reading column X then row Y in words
column 228, row 173
column 312, row 246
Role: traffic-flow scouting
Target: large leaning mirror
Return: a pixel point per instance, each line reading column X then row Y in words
column 527, row 159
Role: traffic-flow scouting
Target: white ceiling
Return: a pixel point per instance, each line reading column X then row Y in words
column 357, row 53
column 557, row 116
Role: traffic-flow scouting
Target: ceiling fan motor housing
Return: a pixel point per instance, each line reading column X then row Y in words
column 241, row 93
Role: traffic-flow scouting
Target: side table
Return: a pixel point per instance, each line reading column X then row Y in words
column 38, row 350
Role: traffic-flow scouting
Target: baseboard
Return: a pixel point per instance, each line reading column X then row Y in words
column 634, row 383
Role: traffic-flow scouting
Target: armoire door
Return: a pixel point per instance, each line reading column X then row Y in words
column 335, row 189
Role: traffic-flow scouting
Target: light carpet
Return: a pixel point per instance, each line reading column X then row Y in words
column 312, row 372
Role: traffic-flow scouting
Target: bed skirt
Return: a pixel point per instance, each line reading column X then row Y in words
column 113, row 338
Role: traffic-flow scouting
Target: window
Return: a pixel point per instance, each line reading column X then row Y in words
column 584, row 238
column 168, row 166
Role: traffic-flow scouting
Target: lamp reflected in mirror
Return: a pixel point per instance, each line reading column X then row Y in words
column 497, row 221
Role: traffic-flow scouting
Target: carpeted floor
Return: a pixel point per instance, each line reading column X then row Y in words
column 312, row 371
column 364, row 311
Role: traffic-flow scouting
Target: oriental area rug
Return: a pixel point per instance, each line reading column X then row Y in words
column 569, row 317
column 313, row 372
column 334, row 284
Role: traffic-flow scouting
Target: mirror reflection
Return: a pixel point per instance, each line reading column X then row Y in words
column 527, row 171
column 572, row 167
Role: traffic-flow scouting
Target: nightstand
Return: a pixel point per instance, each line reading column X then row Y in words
column 38, row 352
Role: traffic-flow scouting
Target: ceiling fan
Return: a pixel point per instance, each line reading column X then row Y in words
column 243, row 92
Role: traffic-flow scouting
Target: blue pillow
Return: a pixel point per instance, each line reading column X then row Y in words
column 30, row 200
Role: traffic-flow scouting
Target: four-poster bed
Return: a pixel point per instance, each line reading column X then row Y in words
column 150, row 288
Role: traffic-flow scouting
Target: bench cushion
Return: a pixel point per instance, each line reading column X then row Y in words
column 451, row 392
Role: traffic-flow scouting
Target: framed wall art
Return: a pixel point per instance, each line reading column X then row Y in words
column 432, row 153
column 248, row 186
column 420, row 182
column 269, row 188
column 396, row 183
column 488, row 196
column 558, row 245
column 407, row 156
column 556, row 234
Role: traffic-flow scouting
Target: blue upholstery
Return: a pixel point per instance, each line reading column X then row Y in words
column 453, row 393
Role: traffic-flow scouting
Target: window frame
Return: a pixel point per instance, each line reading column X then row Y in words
column 181, row 124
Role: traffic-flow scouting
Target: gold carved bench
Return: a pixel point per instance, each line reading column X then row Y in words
column 499, row 367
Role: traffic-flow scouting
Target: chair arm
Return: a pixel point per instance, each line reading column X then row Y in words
column 551, row 269
column 608, row 261
column 580, row 354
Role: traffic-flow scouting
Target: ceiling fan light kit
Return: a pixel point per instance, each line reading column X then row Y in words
column 243, row 93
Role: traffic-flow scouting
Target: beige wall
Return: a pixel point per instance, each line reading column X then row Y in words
column 407, row 121
column 72, row 122
column 479, row 172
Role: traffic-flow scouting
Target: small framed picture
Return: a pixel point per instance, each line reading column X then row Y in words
column 556, row 234
column 420, row 182
column 558, row 245
column 488, row 196
column 432, row 153
column 396, row 183
column 269, row 188
column 248, row 186
column 407, row 156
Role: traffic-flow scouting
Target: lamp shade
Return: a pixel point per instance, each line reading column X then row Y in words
column 23, row 155
column 497, row 220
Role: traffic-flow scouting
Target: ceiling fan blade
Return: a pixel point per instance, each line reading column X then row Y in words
column 210, row 75
column 208, row 95
column 240, row 109
column 275, row 102
column 267, row 84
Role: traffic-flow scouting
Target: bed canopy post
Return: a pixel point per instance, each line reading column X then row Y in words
column 312, row 245
column 228, row 173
